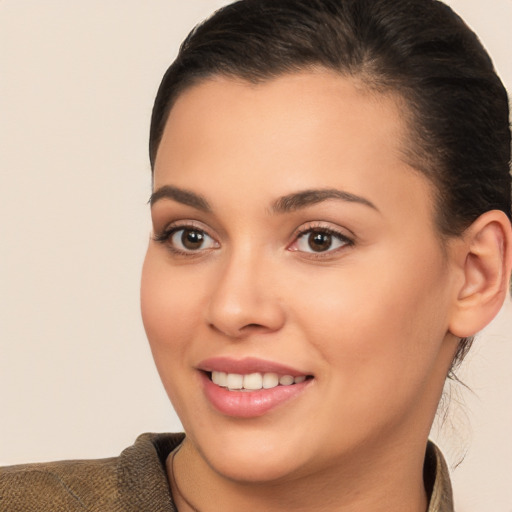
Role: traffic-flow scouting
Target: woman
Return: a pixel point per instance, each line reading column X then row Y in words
column 331, row 226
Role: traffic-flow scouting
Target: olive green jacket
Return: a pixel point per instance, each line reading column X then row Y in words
column 136, row 481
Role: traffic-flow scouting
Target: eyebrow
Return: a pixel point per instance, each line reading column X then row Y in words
column 305, row 198
column 180, row 195
column 288, row 203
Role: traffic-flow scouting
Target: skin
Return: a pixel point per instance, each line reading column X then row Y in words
column 370, row 319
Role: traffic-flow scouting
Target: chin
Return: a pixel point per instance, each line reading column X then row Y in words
column 246, row 468
column 251, row 455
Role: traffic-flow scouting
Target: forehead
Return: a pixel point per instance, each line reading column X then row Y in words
column 306, row 91
column 300, row 105
column 305, row 130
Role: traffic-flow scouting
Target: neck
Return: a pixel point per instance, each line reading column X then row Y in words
column 349, row 487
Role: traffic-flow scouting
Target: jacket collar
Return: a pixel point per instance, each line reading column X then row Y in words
column 437, row 480
column 143, row 479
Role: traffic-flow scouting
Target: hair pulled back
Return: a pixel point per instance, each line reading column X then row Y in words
column 456, row 105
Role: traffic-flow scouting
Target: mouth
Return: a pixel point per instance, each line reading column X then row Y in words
column 251, row 387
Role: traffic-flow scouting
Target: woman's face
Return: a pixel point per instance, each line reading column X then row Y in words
column 292, row 241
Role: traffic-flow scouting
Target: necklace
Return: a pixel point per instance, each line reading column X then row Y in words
column 175, row 484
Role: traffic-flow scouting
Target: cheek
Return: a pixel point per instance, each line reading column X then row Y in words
column 169, row 309
column 379, row 344
column 373, row 321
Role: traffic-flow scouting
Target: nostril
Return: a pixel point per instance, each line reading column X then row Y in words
column 254, row 328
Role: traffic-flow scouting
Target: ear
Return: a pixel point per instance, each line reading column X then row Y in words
column 485, row 259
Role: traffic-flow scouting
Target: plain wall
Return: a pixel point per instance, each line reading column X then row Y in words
column 77, row 80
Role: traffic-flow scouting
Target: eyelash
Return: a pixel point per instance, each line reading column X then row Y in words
column 165, row 236
column 303, row 232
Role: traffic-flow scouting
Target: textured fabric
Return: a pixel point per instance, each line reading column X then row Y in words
column 436, row 471
column 136, row 481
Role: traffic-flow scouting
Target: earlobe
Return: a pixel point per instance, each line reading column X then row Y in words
column 486, row 264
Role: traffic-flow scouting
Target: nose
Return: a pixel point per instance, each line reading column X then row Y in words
column 245, row 298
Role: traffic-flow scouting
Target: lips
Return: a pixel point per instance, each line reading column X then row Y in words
column 250, row 387
column 247, row 365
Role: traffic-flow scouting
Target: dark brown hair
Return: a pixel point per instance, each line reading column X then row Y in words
column 419, row 49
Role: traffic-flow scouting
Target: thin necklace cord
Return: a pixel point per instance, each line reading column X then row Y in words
column 173, row 479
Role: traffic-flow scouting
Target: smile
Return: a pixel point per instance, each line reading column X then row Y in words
column 250, row 387
column 253, row 381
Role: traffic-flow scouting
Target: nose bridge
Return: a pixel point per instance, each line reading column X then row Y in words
column 245, row 296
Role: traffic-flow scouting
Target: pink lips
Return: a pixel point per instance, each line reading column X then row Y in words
column 248, row 404
column 245, row 366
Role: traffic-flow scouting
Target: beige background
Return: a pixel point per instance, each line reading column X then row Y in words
column 77, row 80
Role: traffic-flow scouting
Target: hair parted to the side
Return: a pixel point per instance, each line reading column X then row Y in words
column 420, row 50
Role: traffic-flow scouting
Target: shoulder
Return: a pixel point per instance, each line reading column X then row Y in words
column 63, row 485
column 135, row 480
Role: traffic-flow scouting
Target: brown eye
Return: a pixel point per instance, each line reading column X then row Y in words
column 191, row 240
column 319, row 241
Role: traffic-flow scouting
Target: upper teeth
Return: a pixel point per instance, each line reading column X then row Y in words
column 254, row 381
